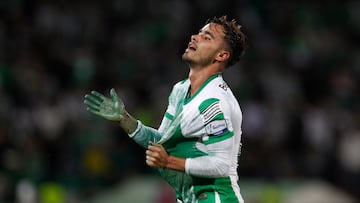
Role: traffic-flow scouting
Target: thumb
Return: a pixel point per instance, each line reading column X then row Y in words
column 113, row 94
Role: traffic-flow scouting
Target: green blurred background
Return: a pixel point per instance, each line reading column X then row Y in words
column 298, row 87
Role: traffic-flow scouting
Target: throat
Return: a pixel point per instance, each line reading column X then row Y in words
column 197, row 78
column 188, row 94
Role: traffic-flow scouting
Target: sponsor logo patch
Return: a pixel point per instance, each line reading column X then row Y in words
column 216, row 127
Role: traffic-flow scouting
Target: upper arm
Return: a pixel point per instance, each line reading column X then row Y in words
column 216, row 120
column 218, row 140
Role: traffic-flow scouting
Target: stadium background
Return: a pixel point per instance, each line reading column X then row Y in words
column 298, row 86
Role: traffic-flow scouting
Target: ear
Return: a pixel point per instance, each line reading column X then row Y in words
column 222, row 55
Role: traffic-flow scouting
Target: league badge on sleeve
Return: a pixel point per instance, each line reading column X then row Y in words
column 216, row 127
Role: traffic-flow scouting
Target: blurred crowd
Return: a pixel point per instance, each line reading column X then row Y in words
column 297, row 84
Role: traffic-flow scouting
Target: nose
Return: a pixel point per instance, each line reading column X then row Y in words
column 194, row 38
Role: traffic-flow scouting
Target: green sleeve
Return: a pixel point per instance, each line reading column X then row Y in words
column 145, row 134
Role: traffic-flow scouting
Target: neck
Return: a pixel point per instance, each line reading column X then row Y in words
column 198, row 77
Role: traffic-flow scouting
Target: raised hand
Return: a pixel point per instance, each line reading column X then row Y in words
column 109, row 108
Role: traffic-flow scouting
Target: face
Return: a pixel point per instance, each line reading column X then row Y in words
column 205, row 46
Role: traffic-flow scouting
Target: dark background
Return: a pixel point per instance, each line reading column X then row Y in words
column 298, row 87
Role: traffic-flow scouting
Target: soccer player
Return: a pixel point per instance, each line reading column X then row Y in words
column 196, row 147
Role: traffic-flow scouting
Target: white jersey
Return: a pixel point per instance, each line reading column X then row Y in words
column 206, row 130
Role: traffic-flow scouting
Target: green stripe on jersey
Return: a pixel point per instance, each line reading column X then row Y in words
column 207, row 103
column 169, row 116
column 180, row 146
column 210, row 110
column 204, row 189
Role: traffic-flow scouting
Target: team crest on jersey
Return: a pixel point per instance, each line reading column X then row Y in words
column 216, row 127
column 223, row 86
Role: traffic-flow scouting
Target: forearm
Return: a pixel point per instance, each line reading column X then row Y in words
column 143, row 135
column 176, row 163
column 216, row 164
column 207, row 166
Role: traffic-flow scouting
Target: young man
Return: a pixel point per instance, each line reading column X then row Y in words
column 197, row 144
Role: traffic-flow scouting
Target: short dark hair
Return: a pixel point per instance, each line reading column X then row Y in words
column 234, row 36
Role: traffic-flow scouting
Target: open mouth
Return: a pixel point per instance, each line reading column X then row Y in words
column 191, row 47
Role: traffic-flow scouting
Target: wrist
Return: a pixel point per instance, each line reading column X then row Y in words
column 139, row 125
column 128, row 123
column 168, row 162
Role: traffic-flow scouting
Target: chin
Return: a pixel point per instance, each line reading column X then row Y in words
column 185, row 57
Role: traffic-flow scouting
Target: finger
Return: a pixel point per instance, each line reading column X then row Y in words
column 94, row 111
column 98, row 95
column 148, row 152
column 93, row 99
column 154, row 148
column 150, row 163
column 152, row 153
column 149, row 158
column 157, row 145
column 90, row 104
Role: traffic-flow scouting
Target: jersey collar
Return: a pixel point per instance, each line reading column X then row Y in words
column 189, row 98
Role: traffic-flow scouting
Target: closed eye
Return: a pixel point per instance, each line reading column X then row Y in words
column 207, row 35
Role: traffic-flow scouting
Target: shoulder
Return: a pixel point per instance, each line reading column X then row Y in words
column 180, row 86
column 179, row 89
column 217, row 93
column 217, row 88
column 181, row 83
